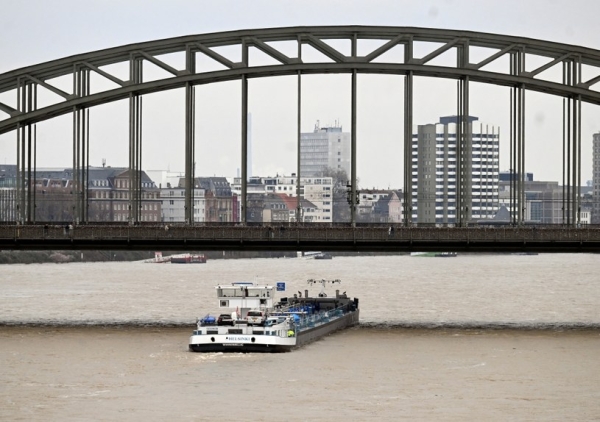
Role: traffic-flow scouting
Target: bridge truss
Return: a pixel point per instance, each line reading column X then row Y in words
column 574, row 90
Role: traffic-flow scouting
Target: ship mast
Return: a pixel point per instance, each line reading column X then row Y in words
column 323, row 282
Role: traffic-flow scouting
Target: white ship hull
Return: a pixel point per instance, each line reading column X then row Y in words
column 250, row 341
column 281, row 327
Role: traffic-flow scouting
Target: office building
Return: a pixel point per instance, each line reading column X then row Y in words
column 323, row 149
column 434, row 175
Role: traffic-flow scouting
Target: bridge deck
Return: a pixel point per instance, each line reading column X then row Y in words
column 299, row 238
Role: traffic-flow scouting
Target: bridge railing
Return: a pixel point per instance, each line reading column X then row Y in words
column 321, row 233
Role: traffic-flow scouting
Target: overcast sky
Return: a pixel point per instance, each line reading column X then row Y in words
column 39, row 31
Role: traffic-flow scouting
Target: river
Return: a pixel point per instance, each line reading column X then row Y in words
column 491, row 337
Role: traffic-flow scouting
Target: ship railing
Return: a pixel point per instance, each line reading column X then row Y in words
column 320, row 318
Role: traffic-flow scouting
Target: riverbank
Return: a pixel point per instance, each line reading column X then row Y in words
column 60, row 257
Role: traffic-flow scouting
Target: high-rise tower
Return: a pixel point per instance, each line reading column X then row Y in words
column 324, row 148
column 434, row 175
column 596, row 179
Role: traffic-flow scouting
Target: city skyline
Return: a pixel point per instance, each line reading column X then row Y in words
column 272, row 101
column 273, row 199
column 284, row 171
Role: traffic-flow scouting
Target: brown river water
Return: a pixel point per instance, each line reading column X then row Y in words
column 476, row 337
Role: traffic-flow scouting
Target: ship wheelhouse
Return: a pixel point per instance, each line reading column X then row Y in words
column 244, row 296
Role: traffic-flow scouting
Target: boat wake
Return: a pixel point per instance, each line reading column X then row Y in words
column 366, row 325
column 482, row 325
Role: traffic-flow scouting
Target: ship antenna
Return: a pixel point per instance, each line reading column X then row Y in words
column 322, row 282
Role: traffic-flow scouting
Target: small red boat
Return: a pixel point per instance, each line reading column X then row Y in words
column 188, row 259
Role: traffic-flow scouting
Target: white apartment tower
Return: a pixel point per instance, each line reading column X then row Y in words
column 324, row 147
column 596, row 179
column 434, row 184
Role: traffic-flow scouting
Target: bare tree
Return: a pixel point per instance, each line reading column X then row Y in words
column 54, row 204
column 341, row 193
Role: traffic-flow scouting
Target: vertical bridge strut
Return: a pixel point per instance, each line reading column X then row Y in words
column 135, row 144
column 571, row 198
column 26, row 142
column 517, row 140
column 81, row 146
column 190, row 138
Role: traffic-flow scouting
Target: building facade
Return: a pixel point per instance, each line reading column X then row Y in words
column 318, row 191
column 8, row 192
column 220, row 203
column 173, row 205
column 107, row 190
column 434, row 172
column 109, row 196
column 543, row 201
column 595, row 218
column 323, row 149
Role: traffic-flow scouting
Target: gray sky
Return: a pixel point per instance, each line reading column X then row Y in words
column 34, row 31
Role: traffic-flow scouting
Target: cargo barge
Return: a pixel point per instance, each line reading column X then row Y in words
column 283, row 326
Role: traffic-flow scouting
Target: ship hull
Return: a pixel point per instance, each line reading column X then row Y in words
column 269, row 344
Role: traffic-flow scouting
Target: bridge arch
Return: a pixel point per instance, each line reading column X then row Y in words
column 26, row 81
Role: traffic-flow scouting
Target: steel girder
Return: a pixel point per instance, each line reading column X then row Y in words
column 573, row 89
column 340, row 63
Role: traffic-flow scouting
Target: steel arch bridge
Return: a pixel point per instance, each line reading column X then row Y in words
column 26, row 82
